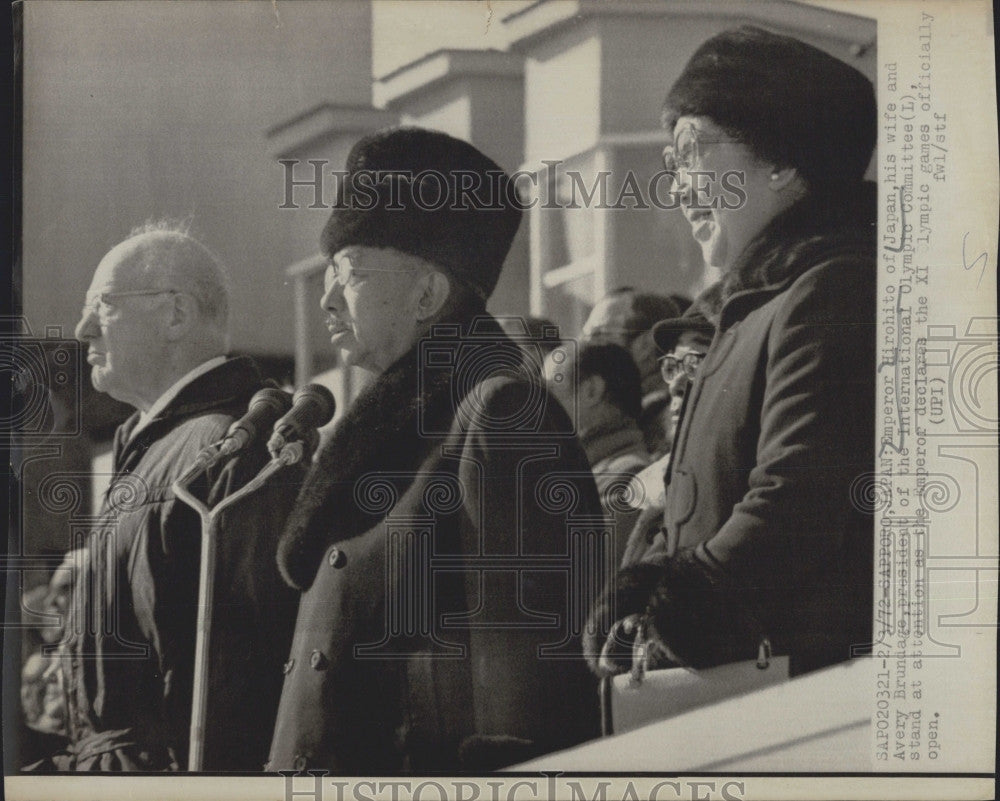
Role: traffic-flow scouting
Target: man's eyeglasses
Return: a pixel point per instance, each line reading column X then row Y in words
column 96, row 302
column 671, row 365
column 341, row 272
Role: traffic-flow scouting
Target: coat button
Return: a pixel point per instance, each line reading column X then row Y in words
column 318, row 661
column 287, row 667
column 336, row 558
column 300, row 763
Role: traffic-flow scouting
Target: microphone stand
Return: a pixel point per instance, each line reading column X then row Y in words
column 289, row 454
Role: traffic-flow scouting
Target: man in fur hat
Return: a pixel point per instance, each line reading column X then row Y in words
column 428, row 638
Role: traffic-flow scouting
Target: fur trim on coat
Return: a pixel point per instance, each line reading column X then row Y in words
column 808, row 231
column 812, row 230
column 383, row 431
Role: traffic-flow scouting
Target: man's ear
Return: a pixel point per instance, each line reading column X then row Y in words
column 435, row 287
column 592, row 389
column 181, row 315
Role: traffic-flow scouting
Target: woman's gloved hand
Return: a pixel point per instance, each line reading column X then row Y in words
column 610, row 638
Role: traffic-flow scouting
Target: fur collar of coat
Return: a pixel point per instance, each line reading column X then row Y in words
column 812, row 230
column 380, row 432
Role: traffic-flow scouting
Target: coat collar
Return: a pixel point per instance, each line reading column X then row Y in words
column 172, row 391
column 811, row 231
column 227, row 387
column 391, row 428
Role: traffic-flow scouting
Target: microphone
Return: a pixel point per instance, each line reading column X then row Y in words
column 265, row 407
column 312, row 406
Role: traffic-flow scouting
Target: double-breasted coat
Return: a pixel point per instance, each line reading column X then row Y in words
column 434, row 543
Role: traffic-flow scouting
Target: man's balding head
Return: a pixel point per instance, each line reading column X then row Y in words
column 164, row 256
column 625, row 314
column 157, row 307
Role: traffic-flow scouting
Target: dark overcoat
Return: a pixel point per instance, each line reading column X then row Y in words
column 766, row 530
column 128, row 653
column 434, row 542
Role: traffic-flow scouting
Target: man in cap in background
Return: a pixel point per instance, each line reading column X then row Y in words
column 683, row 343
column 422, row 642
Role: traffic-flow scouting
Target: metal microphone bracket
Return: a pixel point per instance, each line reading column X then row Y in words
column 276, row 443
column 292, row 453
column 229, row 446
column 206, row 585
column 207, row 458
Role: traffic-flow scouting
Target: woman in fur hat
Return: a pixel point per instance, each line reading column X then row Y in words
column 763, row 532
column 430, row 538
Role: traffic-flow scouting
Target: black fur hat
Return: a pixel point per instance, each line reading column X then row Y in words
column 431, row 195
column 792, row 103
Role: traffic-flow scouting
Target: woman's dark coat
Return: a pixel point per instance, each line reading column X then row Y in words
column 766, row 530
column 438, row 628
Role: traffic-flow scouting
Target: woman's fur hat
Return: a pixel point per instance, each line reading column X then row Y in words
column 791, row 103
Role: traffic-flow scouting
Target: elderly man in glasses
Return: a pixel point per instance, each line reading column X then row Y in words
column 684, row 341
column 155, row 326
column 429, row 535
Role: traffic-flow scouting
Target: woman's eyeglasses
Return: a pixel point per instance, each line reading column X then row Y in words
column 685, row 152
column 682, row 153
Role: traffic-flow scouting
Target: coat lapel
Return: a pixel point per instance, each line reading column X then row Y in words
column 227, row 387
column 381, row 432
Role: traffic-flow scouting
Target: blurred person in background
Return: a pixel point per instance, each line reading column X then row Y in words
column 764, row 535
column 626, row 317
column 683, row 341
column 537, row 337
column 602, row 390
column 43, row 698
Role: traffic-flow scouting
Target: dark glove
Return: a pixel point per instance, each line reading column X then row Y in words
column 700, row 616
column 609, row 637
column 689, row 612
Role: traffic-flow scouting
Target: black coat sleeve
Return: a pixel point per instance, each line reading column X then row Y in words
column 522, row 497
